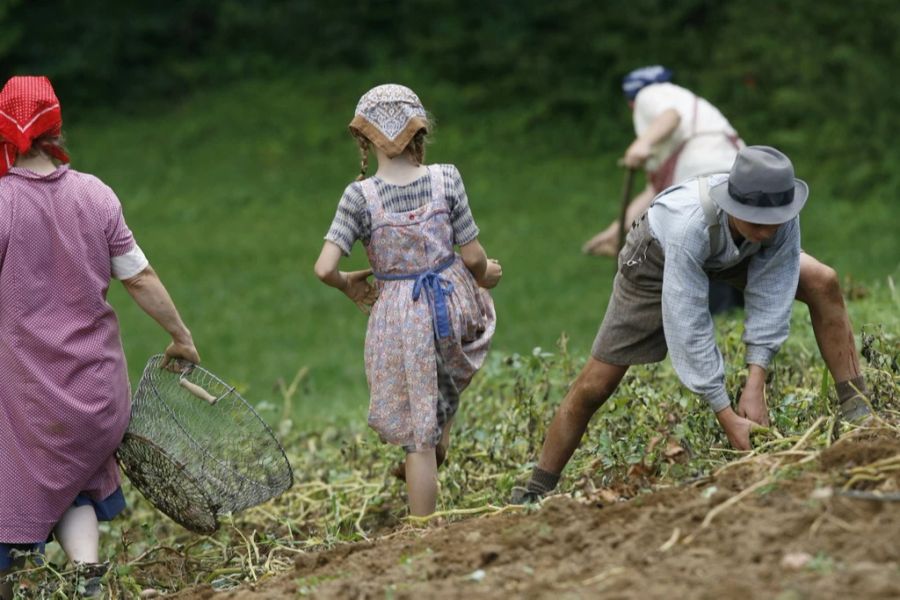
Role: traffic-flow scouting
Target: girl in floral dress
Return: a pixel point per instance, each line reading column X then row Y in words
column 431, row 319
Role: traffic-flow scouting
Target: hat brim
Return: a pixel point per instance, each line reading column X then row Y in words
column 760, row 215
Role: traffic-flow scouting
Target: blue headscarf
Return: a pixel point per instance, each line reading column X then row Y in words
column 640, row 78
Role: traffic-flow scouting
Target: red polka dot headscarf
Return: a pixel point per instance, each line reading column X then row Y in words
column 28, row 109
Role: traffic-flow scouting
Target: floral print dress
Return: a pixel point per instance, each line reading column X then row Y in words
column 429, row 330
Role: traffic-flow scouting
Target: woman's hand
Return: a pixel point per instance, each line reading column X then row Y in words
column 359, row 289
column 637, row 153
column 492, row 274
column 179, row 355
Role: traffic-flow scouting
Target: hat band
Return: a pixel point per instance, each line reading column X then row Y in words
column 762, row 199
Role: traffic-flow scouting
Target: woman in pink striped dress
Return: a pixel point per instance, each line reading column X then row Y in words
column 64, row 391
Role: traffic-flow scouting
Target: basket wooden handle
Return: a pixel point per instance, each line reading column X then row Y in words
column 196, row 390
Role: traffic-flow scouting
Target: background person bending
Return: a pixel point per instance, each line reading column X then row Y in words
column 679, row 135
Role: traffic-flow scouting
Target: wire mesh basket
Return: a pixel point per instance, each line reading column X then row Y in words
column 196, row 449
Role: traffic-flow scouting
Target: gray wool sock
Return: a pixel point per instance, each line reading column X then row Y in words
column 542, row 482
column 850, row 388
column 853, row 398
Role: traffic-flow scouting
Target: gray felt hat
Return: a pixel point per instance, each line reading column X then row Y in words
column 761, row 187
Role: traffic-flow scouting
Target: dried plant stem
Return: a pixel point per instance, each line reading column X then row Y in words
column 479, row 510
column 712, row 514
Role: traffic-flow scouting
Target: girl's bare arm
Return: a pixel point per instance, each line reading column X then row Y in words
column 354, row 284
column 327, row 266
column 486, row 271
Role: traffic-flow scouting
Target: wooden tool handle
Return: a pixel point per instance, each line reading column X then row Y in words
column 626, row 200
column 196, row 390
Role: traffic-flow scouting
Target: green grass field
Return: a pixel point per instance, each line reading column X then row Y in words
column 230, row 193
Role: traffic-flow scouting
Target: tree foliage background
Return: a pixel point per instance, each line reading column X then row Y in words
column 232, row 114
column 806, row 75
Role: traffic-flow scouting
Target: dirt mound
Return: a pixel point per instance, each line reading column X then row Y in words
column 863, row 448
column 749, row 532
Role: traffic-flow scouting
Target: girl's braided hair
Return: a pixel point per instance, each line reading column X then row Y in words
column 363, row 143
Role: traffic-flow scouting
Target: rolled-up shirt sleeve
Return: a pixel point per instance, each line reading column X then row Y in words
column 772, row 278
column 687, row 323
column 129, row 264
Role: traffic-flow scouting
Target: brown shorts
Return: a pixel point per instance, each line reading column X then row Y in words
column 632, row 329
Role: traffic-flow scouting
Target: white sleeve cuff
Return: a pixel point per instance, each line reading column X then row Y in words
column 129, row 264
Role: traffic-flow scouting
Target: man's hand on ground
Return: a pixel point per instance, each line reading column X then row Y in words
column 737, row 428
column 752, row 404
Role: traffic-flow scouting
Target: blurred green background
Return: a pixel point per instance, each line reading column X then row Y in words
column 222, row 127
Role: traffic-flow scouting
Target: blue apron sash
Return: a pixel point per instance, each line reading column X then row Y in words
column 436, row 288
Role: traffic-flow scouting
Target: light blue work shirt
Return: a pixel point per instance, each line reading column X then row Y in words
column 677, row 222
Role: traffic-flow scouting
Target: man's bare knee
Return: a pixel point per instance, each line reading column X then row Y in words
column 819, row 283
column 596, row 383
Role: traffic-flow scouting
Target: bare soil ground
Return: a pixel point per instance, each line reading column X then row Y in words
column 773, row 526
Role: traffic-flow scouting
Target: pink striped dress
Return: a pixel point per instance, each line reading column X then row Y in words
column 64, row 391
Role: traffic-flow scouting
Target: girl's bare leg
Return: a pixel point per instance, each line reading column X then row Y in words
column 440, row 453
column 444, row 443
column 421, row 482
column 78, row 534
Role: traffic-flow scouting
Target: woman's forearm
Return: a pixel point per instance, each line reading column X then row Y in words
column 151, row 295
column 662, row 127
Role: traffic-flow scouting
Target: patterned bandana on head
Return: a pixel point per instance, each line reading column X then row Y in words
column 389, row 116
column 641, row 78
column 28, row 109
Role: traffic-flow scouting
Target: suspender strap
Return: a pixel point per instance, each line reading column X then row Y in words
column 710, row 215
